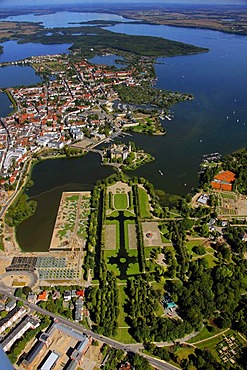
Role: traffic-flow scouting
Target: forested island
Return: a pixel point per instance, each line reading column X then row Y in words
column 92, row 39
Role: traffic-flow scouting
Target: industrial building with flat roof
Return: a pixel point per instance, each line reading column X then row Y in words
column 41, row 346
column 50, row 361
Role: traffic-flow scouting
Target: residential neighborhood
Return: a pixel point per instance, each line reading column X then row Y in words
column 73, row 104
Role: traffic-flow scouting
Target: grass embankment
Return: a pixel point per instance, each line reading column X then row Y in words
column 144, row 207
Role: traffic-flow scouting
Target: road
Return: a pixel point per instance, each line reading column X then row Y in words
column 17, row 188
column 159, row 364
column 7, row 141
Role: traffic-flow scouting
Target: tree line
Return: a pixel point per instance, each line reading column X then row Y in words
column 103, row 303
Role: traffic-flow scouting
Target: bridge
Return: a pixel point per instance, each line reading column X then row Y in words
column 101, row 153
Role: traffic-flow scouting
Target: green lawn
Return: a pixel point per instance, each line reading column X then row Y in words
column 144, row 207
column 204, row 333
column 164, row 239
column 211, row 260
column 133, row 269
column 191, row 244
column 73, row 198
column 121, row 201
column 129, row 214
column 160, row 310
column 114, row 268
column 163, row 228
column 185, row 352
column 211, row 345
column 228, row 195
column 113, row 214
column 133, row 253
column 110, row 253
column 124, row 336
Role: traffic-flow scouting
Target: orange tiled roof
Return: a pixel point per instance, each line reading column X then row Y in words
column 218, row 185
column 226, row 176
column 80, row 293
column 42, row 296
column 226, row 187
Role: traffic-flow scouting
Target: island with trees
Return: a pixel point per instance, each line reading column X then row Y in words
column 127, row 155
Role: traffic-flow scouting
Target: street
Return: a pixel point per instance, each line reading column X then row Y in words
column 159, row 364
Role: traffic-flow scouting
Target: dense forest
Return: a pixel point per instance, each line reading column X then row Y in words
column 20, row 210
column 103, row 305
column 97, row 38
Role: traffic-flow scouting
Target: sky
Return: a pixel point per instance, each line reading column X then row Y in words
column 8, row 3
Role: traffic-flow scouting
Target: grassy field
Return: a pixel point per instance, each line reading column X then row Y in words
column 192, row 243
column 113, row 214
column 205, row 333
column 124, row 336
column 120, row 201
column 211, row 260
column 133, row 269
column 185, row 352
column 110, row 253
column 228, row 195
column 114, row 268
column 143, row 203
column 211, row 345
column 148, row 250
column 128, row 214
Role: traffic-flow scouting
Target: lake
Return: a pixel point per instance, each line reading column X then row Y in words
column 108, row 60
column 215, row 121
column 18, row 76
column 66, row 19
column 14, row 51
column 51, row 178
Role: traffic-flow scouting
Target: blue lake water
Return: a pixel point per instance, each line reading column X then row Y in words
column 63, row 19
column 13, row 51
column 108, row 60
column 5, row 105
column 217, row 80
column 18, row 76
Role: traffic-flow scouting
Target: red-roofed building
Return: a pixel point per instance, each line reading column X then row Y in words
column 42, row 296
column 223, row 180
column 80, row 293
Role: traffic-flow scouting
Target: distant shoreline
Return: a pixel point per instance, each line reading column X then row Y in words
column 213, row 17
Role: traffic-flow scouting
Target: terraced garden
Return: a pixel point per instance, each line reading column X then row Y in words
column 72, row 221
